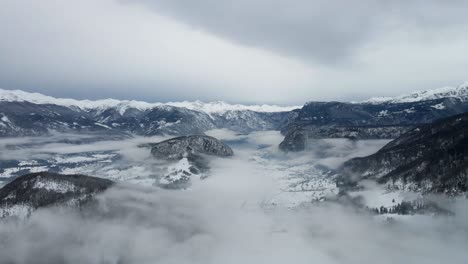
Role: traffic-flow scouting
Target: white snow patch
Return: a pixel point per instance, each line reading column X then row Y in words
column 163, row 123
column 409, row 110
column 376, row 195
column 27, row 163
column 102, row 125
column 8, row 172
column 383, row 113
column 11, row 195
column 377, row 100
column 78, row 159
column 440, row 106
column 55, row 186
column 5, row 119
column 222, row 107
column 176, row 172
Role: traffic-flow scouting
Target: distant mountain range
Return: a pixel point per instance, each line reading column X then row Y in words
column 122, row 106
column 32, row 114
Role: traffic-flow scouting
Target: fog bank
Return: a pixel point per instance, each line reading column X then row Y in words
column 146, row 225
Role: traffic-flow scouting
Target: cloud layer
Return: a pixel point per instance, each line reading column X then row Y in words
column 242, row 51
column 323, row 30
column 223, row 218
column 138, row 225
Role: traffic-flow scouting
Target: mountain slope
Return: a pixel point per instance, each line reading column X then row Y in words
column 429, row 158
column 32, row 191
column 385, row 119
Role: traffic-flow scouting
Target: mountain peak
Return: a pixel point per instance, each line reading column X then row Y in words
column 460, row 92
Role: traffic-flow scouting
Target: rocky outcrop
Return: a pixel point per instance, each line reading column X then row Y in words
column 37, row 190
column 186, row 155
column 185, row 146
column 429, row 158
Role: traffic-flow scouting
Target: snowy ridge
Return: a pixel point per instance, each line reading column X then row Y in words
column 460, row 92
column 123, row 105
column 222, row 107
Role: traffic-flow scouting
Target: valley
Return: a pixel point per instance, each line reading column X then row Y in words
column 317, row 170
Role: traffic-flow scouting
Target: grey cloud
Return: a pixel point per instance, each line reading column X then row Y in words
column 100, row 49
column 320, row 30
column 282, row 52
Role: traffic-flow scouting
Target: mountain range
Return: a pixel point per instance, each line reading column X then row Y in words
column 33, row 114
column 428, row 151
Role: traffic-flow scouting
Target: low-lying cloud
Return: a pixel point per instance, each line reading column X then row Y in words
column 223, row 218
column 146, row 225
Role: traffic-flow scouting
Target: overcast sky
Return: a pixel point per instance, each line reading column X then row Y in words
column 246, row 51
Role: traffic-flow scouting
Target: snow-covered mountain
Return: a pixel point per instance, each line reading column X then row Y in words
column 218, row 107
column 459, row 92
column 377, row 118
column 30, row 114
column 23, row 113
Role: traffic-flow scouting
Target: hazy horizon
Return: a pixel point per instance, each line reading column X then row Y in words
column 248, row 52
column 246, row 103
